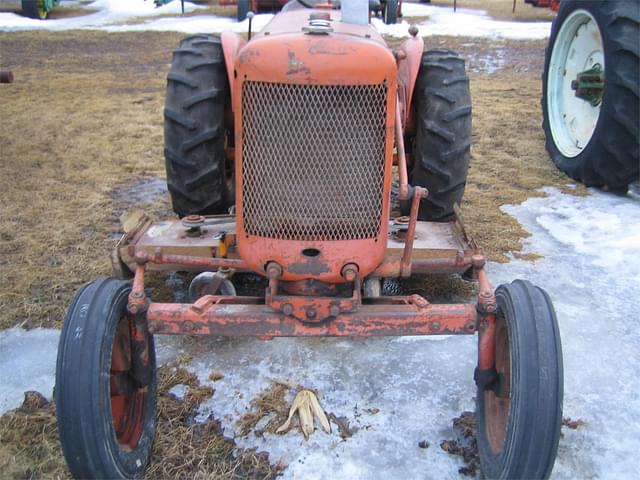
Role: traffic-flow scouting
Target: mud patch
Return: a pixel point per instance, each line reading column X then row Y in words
column 137, row 192
column 344, row 428
column 573, row 424
column 464, row 444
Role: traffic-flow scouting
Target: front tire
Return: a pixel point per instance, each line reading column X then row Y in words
column 442, row 148
column 199, row 176
column 520, row 415
column 594, row 139
column 106, row 420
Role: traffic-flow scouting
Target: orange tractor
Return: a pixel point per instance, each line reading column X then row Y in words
column 324, row 161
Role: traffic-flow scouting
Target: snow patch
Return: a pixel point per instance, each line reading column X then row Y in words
column 27, row 362
column 112, row 14
column 108, row 11
column 179, row 391
column 465, row 22
column 197, row 24
column 398, row 392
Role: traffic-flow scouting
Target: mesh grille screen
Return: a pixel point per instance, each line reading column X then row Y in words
column 313, row 160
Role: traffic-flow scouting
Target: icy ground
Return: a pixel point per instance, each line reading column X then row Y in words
column 122, row 15
column 591, row 247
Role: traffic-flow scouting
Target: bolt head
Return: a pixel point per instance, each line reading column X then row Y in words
column 311, row 313
column 334, row 310
column 350, row 272
column 287, row 309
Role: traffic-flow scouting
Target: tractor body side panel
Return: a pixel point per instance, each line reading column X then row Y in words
column 408, row 69
column 231, row 45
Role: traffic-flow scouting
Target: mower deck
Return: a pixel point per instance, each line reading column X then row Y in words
column 200, row 244
column 437, row 247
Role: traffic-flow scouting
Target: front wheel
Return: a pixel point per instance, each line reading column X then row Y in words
column 520, row 412
column 106, row 410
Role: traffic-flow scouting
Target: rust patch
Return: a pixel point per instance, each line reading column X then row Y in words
column 313, row 266
column 247, row 55
column 322, row 48
column 296, row 66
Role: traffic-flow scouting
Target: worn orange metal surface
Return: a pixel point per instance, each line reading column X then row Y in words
column 409, row 56
column 213, row 315
column 231, row 45
column 436, row 248
column 278, row 314
column 282, row 61
column 486, row 320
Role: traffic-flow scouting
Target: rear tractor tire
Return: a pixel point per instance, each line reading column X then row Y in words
column 106, row 414
column 199, row 177
column 443, row 133
column 591, row 92
column 520, row 412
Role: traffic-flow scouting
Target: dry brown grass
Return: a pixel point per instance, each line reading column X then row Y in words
column 84, row 117
column 270, row 403
column 29, row 446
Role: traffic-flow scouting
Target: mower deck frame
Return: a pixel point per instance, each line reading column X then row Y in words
column 436, row 248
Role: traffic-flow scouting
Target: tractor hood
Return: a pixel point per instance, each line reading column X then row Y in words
column 314, row 119
column 316, row 47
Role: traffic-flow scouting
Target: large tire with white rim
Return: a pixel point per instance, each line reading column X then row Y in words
column 199, row 176
column 594, row 138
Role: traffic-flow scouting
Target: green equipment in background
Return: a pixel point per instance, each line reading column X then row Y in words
column 38, row 8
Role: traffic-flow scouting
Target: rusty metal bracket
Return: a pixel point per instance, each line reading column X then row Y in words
column 486, row 308
column 405, row 264
column 250, row 316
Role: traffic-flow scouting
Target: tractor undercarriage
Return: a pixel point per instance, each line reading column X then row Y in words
column 304, row 308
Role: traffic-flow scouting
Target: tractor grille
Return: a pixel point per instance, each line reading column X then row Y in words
column 313, row 160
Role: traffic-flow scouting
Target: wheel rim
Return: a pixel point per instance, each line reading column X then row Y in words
column 497, row 406
column 128, row 404
column 578, row 48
